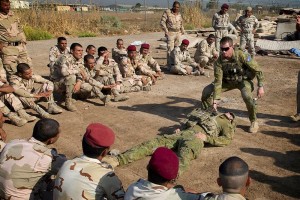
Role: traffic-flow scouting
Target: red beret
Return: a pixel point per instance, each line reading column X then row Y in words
column 186, row 42
column 145, row 46
column 131, row 48
column 165, row 163
column 226, row 6
column 98, row 135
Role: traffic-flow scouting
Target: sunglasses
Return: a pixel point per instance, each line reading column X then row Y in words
column 225, row 48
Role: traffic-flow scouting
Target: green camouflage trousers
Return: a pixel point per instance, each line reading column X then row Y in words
column 247, row 38
column 246, row 87
column 184, row 144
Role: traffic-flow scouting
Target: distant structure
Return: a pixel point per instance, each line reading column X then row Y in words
column 15, row 4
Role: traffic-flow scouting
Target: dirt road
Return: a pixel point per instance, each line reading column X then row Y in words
column 273, row 154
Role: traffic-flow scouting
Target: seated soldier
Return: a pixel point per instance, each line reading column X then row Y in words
column 162, row 173
column 181, row 54
column 90, row 50
column 149, row 62
column 28, row 164
column 2, row 132
column 66, row 76
column 201, row 127
column 128, row 67
column 108, row 73
column 87, row 176
column 233, row 178
column 119, row 52
column 55, row 52
column 206, row 53
column 23, row 83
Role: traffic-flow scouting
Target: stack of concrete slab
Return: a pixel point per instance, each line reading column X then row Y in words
column 266, row 27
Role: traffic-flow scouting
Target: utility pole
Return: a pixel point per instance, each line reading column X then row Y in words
column 145, row 10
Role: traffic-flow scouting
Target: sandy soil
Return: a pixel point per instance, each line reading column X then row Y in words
column 273, row 154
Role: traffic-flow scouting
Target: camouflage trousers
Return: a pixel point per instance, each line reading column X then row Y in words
column 173, row 40
column 184, row 144
column 181, row 69
column 246, row 87
column 12, row 100
column 220, row 33
column 12, row 56
column 298, row 93
column 87, row 90
column 204, row 60
column 106, row 80
column 65, row 85
column 32, row 102
column 247, row 39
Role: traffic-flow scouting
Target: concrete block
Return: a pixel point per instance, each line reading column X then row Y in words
column 277, row 45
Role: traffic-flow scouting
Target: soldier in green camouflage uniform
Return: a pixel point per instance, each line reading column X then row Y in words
column 234, row 69
column 201, row 126
column 247, row 24
column 23, row 83
column 67, row 76
column 13, row 38
column 26, row 165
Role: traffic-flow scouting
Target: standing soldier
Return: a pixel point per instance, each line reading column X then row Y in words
column 206, row 53
column 220, row 23
column 235, row 69
column 247, row 24
column 171, row 23
column 13, row 38
column 56, row 51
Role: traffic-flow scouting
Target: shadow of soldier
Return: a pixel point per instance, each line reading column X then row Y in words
column 293, row 138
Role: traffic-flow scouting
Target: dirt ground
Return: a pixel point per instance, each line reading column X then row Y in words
column 273, row 153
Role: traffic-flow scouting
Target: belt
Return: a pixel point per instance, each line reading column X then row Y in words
column 13, row 43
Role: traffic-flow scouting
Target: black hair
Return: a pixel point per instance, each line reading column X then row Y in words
column 176, row 3
column 155, row 178
column 45, row 129
column 90, row 46
column 74, row 45
column 90, row 151
column 59, row 39
column 211, row 36
column 118, row 40
column 87, row 57
column 22, row 67
column 226, row 39
column 234, row 166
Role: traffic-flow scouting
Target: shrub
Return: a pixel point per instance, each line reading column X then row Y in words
column 36, row 33
column 86, row 34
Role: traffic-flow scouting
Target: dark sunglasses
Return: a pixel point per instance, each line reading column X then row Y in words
column 225, row 48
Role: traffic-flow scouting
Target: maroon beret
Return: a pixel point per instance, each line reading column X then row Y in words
column 165, row 163
column 186, row 42
column 145, row 46
column 98, row 135
column 226, row 6
column 131, row 48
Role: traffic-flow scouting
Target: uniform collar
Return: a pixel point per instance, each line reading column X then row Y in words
column 84, row 157
column 9, row 14
column 33, row 140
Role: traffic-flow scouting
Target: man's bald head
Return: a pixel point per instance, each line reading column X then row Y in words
column 233, row 175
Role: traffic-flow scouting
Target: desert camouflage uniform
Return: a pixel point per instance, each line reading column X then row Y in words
column 226, row 196
column 220, row 23
column 149, row 63
column 176, row 62
column 236, row 73
column 2, row 145
column 172, row 25
column 87, row 178
column 26, row 91
column 145, row 190
column 204, row 53
column 54, row 54
column 118, row 54
column 219, row 131
column 66, row 73
column 247, row 25
column 25, row 168
column 14, row 40
column 3, row 76
column 131, row 81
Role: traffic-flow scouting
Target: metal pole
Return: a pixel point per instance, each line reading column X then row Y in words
column 145, row 10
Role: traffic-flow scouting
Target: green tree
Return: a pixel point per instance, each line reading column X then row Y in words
column 138, row 5
column 212, row 4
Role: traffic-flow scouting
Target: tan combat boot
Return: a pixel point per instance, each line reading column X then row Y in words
column 147, row 88
column 54, row 109
column 70, row 106
column 120, row 98
column 254, row 127
column 16, row 120
column 105, row 99
column 295, row 117
column 23, row 114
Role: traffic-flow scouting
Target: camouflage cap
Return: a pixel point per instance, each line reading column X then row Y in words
column 99, row 135
column 249, row 8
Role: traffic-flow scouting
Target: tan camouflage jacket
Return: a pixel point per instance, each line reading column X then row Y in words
column 3, row 76
column 87, row 178
column 178, row 57
column 220, row 21
column 10, row 28
column 67, row 65
column 118, row 54
column 149, row 62
column 239, row 60
column 25, row 88
column 55, row 53
column 171, row 22
column 25, row 166
column 110, row 70
column 90, row 77
column 247, row 24
column 129, row 67
column 204, row 49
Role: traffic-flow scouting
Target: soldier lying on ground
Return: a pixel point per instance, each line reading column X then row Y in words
column 28, row 164
column 24, row 81
column 162, row 173
column 87, row 176
column 201, row 127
